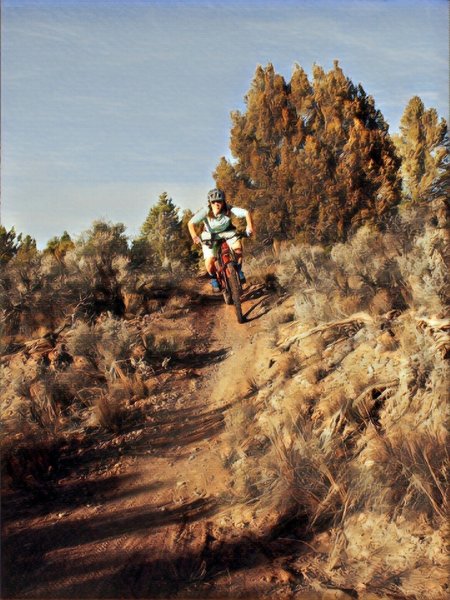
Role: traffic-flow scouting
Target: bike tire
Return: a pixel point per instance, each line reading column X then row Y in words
column 235, row 288
column 227, row 296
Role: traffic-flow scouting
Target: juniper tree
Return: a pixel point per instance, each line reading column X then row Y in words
column 423, row 147
column 256, row 142
column 313, row 159
column 162, row 230
column 59, row 246
column 9, row 244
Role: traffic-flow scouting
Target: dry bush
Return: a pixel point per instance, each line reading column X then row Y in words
column 110, row 410
column 261, row 270
column 115, row 341
column 288, row 365
column 164, row 345
column 305, row 267
column 175, row 305
column 313, row 308
column 273, row 322
column 425, row 272
column 239, row 420
column 252, row 387
column 82, row 340
column 104, row 343
column 381, row 302
column 300, row 479
column 45, row 412
column 349, row 304
column 414, row 471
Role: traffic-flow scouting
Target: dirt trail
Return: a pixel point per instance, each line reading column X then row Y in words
column 148, row 526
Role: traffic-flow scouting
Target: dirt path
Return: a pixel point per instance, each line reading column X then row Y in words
column 147, row 527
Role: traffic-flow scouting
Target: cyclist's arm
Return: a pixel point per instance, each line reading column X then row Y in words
column 250, row 224
column 196, row 220
column 193, row 233
column 243, row 213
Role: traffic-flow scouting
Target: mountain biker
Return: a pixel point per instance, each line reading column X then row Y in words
column 216, row 218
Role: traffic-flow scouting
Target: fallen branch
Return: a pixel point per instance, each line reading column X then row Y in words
column 357, row 320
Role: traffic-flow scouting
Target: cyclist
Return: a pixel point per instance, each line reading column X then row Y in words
column 216, row 218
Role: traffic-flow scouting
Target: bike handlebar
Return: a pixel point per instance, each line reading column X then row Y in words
column 215, row 237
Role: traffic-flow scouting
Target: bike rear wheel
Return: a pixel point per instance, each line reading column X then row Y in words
column 235, row 288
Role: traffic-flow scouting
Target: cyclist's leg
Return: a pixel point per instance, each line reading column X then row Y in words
column 237, row 247
column 209, row 255
column 210, row 259
column 210, row 264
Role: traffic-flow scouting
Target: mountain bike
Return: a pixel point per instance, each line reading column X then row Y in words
column 227, row 271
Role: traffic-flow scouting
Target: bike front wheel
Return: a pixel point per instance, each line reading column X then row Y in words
column 235, row 289
column 226, row 292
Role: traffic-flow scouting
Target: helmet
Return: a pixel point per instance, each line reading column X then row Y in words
column 215, row 194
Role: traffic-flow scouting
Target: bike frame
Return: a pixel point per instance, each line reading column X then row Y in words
column 225, row 257
column 227, row 271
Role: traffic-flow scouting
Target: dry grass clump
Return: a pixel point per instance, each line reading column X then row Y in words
column 287, row 365
column 109, row 410
column 176, row 305
column 363, row 274
column 159, row 346
column 262, row 270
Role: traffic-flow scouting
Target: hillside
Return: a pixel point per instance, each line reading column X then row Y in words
column 173, row 453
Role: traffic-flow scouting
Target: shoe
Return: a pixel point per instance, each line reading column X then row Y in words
column 241, row 275
column 215, row 285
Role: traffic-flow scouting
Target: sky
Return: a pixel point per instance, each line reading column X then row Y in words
column 108, row 103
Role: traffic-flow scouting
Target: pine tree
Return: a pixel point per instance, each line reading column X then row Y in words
column 188, row 252
column 162, row 231
column 313, row 160
column 423, row 147
column 59, row 246
column 257, row 145
column 9, row 244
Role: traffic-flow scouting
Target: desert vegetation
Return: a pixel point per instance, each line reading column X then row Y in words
column 353, row 408
column 332, row 428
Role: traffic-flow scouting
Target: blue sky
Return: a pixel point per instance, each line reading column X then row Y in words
column 106, row 104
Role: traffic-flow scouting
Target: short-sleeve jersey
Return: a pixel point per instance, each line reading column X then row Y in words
column 220, row 223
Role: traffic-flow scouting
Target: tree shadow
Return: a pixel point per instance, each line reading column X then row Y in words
column 168, row 574
column 24, row 551
column 71, row 494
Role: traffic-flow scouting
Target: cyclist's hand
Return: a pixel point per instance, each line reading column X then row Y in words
column 249, row 232
column 196, row 240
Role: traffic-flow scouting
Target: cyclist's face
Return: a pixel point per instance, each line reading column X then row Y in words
column 216, row 206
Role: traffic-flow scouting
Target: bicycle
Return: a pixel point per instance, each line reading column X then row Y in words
column 227, row 268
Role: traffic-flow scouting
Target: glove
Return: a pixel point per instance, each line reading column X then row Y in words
column 248, row 232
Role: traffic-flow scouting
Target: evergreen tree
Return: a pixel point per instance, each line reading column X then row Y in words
column 162, row 231
column 423, row 147
column 59, row 246
column 257, row 143
column 189, row 252
column 313, row 160
column 9, row 244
